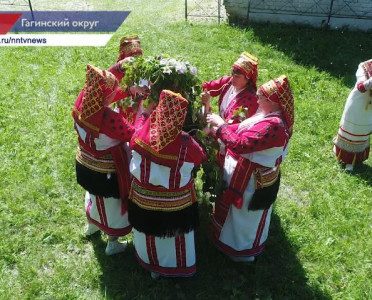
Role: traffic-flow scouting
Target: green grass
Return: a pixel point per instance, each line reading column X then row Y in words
column 320, row 240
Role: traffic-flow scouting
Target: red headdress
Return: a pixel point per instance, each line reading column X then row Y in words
column 99, row 85
column 167, row 119
column 248, row 65
column 278, row 90
column 367, row 68
column 164, row 125
column 129, row 46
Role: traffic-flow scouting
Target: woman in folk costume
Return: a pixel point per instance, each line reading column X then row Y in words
column 102, row 157
column 351, row 145
column 235, row 91
column 130, row 47
column 163, row 208
column 255, row 150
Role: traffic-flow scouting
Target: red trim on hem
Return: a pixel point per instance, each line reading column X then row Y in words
column 167, row 272
column 351, row 157
column 110, row 231
column 351, row 141
column 352, row 133
column 230, row 251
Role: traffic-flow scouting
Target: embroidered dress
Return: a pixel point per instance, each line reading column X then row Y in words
column 255, row 150
column 102, row 155
column 352, row 143
column 163, row 204
column 231, row 100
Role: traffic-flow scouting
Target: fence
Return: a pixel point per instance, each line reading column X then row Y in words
column 332, row 13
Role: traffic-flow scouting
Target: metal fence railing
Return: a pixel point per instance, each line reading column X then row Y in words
column 205, row 9
column 329, row 9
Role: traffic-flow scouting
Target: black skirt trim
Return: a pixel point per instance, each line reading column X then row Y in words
column 263, row 198
column 161, row 223
column 97, row 183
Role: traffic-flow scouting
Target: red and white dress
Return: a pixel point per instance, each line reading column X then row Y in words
column 255, row 149
column 352, row 143
column 231, row 100
column 102, row 159
column 163, row 208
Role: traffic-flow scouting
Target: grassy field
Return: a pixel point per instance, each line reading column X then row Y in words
column 320, row 242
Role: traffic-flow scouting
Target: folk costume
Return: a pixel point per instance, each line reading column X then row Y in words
column 102, row 159
column 230, row 100
column 163, row 208
column 130, row 46
column 255, row 150
column 352, row 143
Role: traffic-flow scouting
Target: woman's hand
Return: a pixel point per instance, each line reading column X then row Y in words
column 215, row 120
column 125, row 61
column 206, row 97
column 210, row 131
column 139, row 90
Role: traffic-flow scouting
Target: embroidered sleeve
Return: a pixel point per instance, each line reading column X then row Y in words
column 115, row 126
column 214, row 87
column 196, row 152
column 263, row 135
column 117, row 70
column 120, row 94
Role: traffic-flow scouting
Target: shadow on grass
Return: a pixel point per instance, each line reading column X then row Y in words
column 335, row 51
column 277, row 274
column 364, row 172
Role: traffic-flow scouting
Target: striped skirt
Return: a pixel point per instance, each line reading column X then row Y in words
column 168, row 256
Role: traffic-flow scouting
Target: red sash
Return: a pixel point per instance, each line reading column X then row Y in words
column 120, row 159
column 238, row 183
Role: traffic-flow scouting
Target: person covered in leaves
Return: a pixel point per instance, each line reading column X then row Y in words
column 102, row 164
column 256, row 149
column 352, row 143
column 163, row 208
column 237, row 92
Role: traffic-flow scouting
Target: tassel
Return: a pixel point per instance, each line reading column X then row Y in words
column 339, row 154
column 353, row 163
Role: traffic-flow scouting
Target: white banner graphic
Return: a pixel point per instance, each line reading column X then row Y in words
column 68, row 40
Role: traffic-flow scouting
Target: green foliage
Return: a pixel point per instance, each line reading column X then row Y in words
column 162, row 72
column 241, row 113
column 212, row 175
